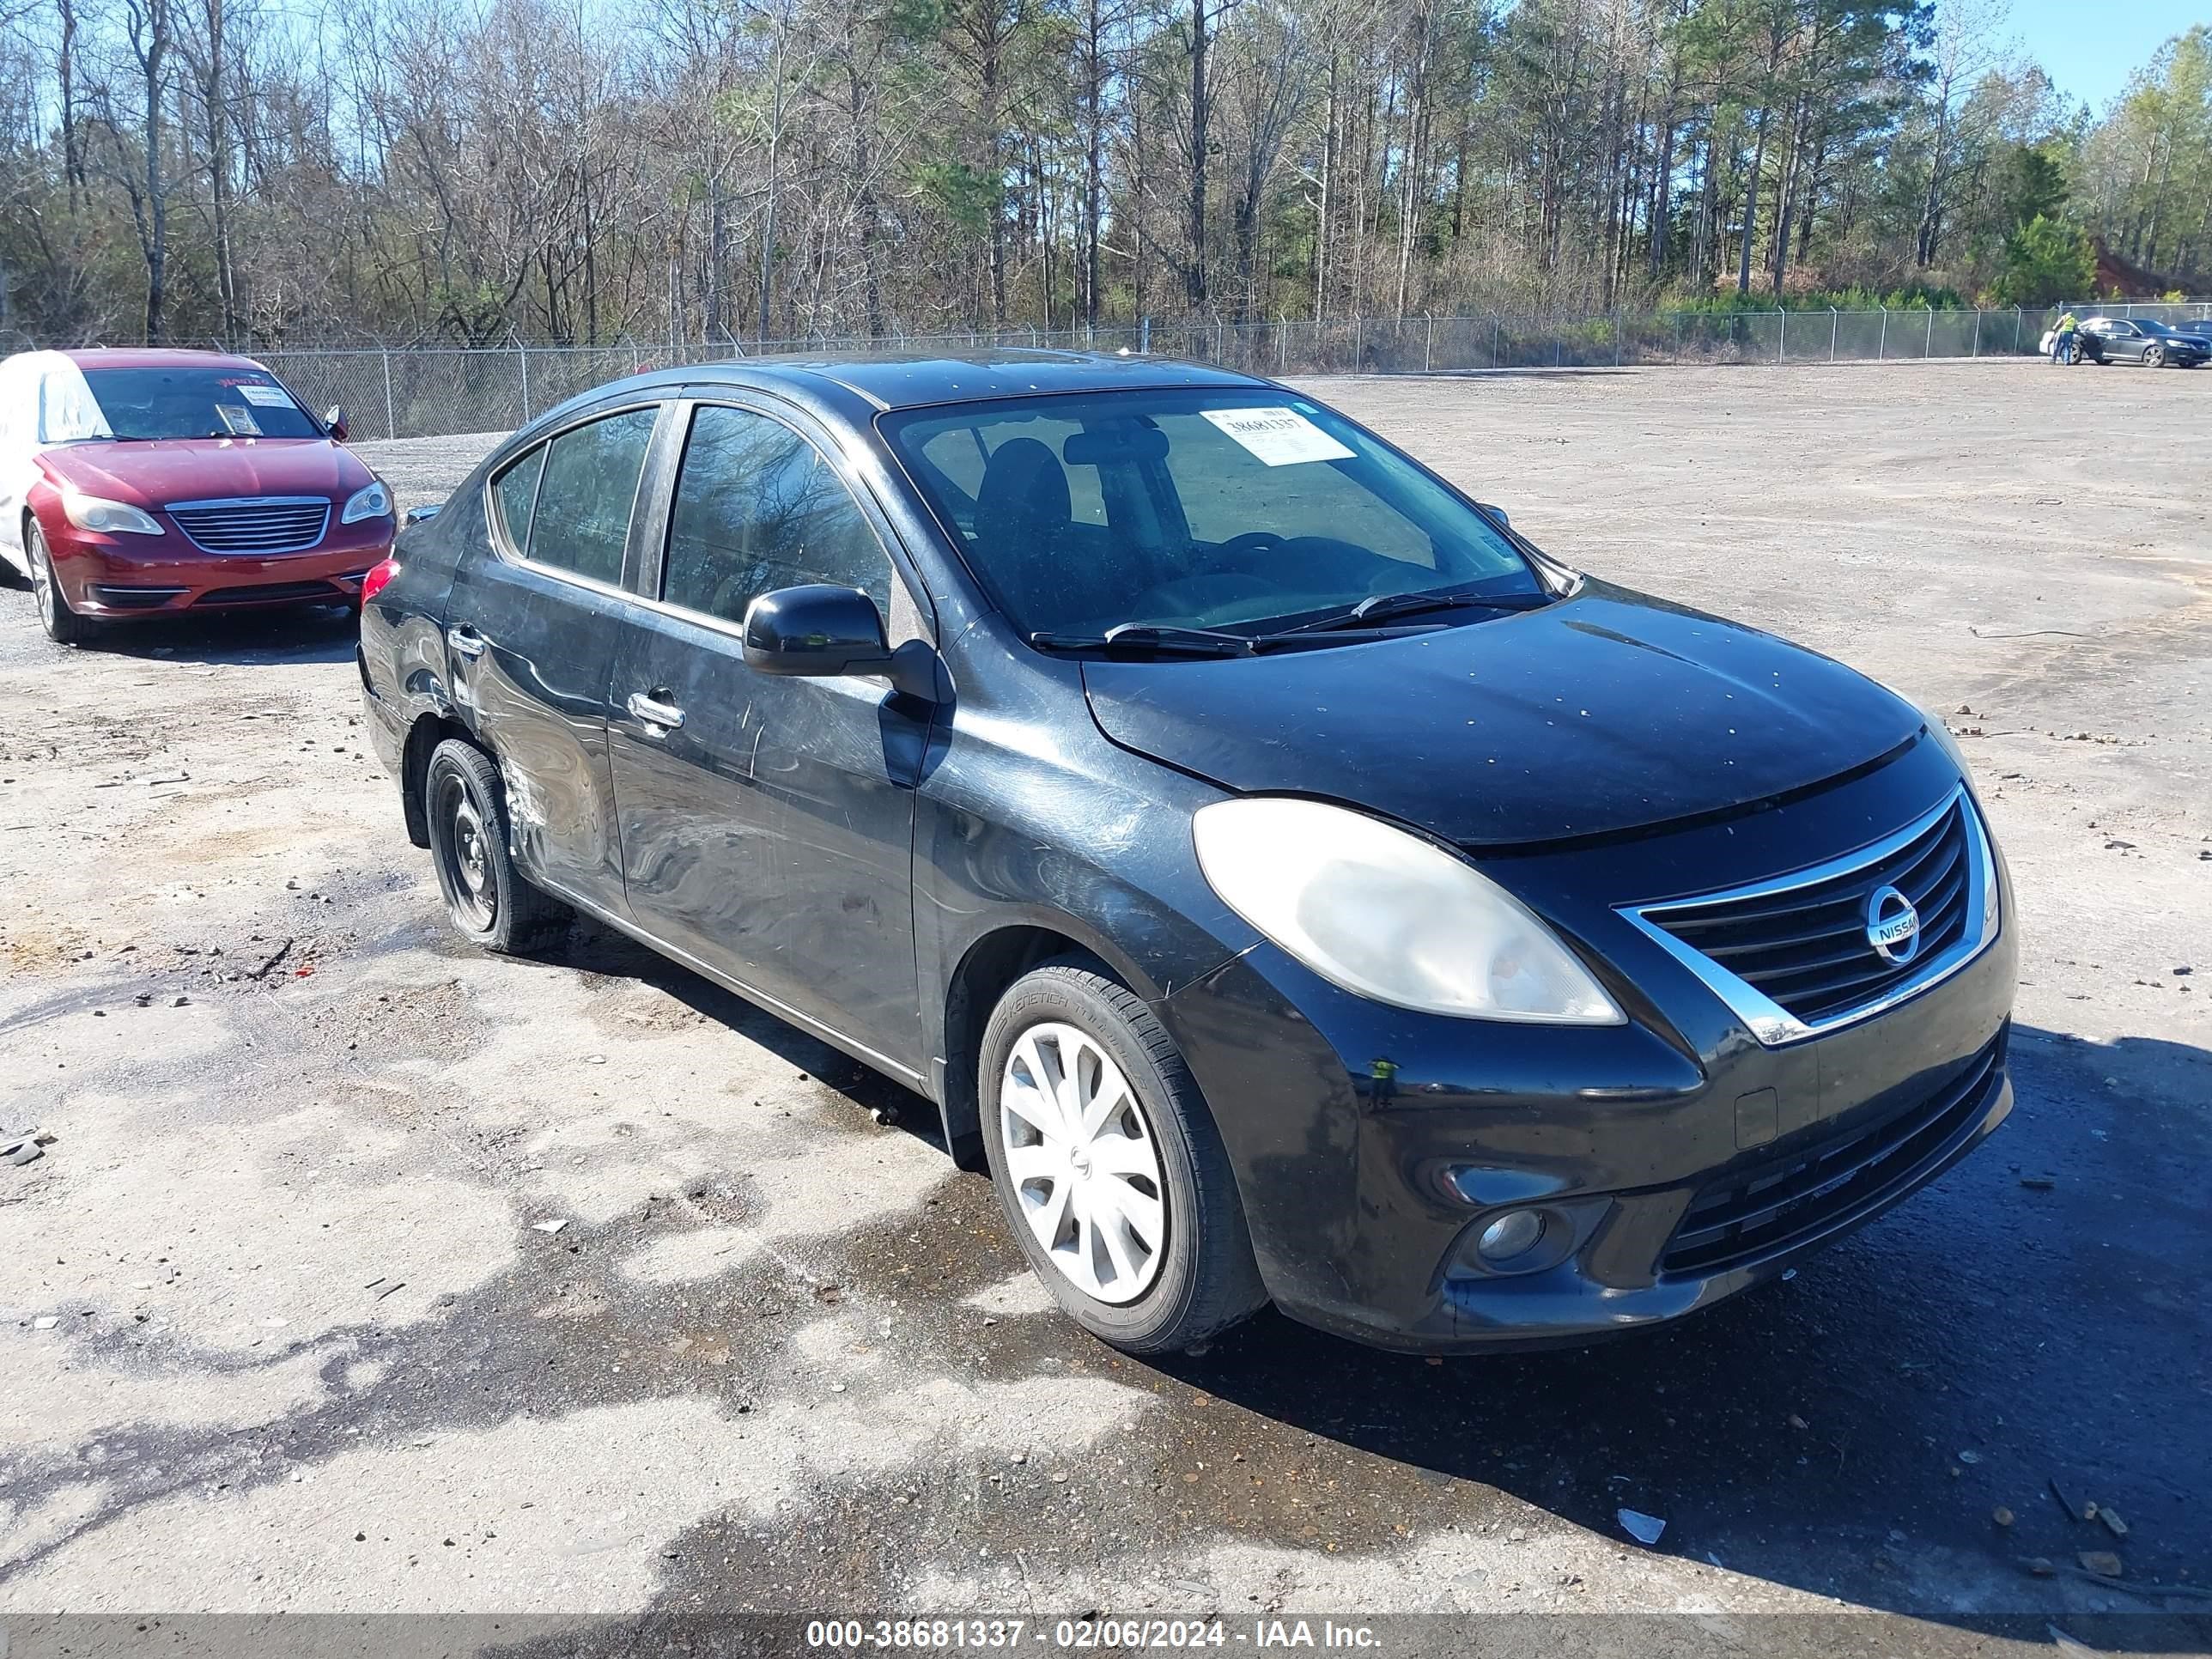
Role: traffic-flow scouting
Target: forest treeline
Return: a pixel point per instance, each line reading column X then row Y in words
column 475, row 170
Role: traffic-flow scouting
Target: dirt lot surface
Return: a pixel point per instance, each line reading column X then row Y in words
column 281, row 1329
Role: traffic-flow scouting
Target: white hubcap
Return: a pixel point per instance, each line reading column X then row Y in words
column 1082, row 1164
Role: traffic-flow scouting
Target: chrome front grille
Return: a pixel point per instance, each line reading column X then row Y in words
column 260, row 524
column 1793, row 957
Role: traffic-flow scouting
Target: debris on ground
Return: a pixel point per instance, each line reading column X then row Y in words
column 271, row 961
column 2001, row 1516
column 26, row 1151
column 2037, row 1183
column 2103, row 1563
column 2076, row 1507
column 1643, row 1529
column 45, row 1323
column 2040, row 1566
column 2111, row 1517
column 548, row 1228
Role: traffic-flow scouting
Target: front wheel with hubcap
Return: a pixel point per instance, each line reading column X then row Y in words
column 63, row 625
column 1107, row 1163
column 2155, row 356
column 490, row 899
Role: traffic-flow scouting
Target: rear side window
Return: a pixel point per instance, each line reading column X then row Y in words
column 515, row 491
column 757, row 507
column 576, row 496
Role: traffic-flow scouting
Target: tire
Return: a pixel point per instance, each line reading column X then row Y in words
column 63, row 625
column 1197, row 1278
column 2154, row 357
column 488, row 901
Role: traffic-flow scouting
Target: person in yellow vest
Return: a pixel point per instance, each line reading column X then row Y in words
column 2063, row 338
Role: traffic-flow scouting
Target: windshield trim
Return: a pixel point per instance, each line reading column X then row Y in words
column 1551, row 578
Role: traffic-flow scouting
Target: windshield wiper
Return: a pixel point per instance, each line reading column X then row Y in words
column 1383, row 606
column 1151, row 638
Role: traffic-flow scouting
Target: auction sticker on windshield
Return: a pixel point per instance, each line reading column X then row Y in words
column 1278, row 437
column 268, row 397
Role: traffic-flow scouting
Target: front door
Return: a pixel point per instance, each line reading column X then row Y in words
column 767, row 824
column 530, row 641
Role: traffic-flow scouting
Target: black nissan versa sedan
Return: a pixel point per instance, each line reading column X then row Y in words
column 1296, row 885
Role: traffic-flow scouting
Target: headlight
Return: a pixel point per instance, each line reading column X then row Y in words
column 373, row 502
column 109, row 518
column 1387, row 916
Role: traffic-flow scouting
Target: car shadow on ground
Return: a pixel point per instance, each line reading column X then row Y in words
column 597, row 950
column 2033, row 1317
column 2030, row 1325
column 303, row 634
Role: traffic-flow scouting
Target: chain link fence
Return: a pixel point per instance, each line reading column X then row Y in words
column 434, row 392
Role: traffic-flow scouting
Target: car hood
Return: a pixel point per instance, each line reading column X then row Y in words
column 1607, row 712
column 208, row 469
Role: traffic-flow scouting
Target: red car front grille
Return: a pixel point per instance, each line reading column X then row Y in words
column 269, row 524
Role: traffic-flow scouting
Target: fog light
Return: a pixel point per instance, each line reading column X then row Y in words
column 1511, row 1236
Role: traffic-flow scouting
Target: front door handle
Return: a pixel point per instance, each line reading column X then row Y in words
column 466, row 641
column 649, row 706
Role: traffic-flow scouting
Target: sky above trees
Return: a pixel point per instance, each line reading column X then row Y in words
column 2090, row 51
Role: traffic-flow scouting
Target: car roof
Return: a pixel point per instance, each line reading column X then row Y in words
column 912, row 380
column 155, row 357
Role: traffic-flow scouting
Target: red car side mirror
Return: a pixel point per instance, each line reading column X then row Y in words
column 334, row 422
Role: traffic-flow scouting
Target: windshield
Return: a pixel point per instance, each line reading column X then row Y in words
column 185, row 402
column 1237, row 510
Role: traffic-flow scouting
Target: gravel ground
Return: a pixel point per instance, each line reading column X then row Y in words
column 282, row 1329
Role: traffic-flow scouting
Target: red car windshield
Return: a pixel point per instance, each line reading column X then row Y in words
column 148, row 404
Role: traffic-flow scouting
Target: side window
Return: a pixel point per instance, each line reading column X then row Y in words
column 757, row 507
column 514, row 493
column 581, row 519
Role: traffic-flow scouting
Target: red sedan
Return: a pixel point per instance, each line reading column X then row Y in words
column 142, row 484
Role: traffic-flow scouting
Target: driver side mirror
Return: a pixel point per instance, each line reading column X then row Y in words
column 1497, row 513
column 816, row 631
column 334, row 422
column 425, row 513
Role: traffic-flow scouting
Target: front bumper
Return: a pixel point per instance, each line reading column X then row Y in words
column 121, row 578
column 1372, row 1145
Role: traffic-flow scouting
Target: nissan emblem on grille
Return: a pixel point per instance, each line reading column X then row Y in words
column 1893, row 925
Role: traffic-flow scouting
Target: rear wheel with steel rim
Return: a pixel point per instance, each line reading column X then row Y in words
column 63, row 625
column 488, row 900
column 1108, row 1165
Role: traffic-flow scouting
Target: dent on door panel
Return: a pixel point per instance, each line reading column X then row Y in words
column 536, row 697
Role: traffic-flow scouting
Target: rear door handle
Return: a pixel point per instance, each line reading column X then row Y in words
column 466, row 641
column 649, row 706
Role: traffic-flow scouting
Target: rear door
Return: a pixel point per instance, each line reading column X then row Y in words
column 767, row 823
column 529, row 638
